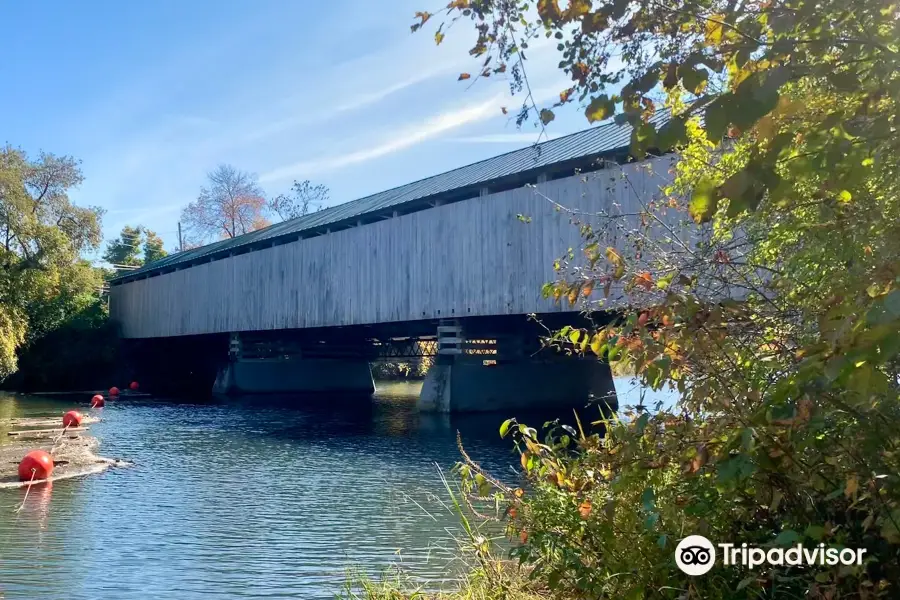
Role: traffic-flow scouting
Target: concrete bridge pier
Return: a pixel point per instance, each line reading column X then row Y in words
column 498, row 375
column 261, row 367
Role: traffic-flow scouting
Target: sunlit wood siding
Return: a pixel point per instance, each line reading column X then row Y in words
column 469, row 258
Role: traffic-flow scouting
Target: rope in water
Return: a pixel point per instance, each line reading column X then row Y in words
column 27, row 490
column 58, row 438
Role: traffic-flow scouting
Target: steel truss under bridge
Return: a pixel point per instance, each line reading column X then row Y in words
column 386, row 350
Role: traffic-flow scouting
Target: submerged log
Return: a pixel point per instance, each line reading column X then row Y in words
column 44, row 422
column 74, row 452
column 46, row 432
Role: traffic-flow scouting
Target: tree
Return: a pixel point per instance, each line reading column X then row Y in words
column 135, row 246
column 153, row 247
column 42, row 235
column 125, row 250
column 233, row 204
column 785, row 118
column 296, row 204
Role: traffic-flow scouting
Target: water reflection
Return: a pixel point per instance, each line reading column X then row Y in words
column 35, row 504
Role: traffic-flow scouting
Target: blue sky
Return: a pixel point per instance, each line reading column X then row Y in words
column 152, row 95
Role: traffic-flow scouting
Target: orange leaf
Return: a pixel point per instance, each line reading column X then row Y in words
column 700, row 459
column 852, row 486
column 464, row 76
column 585, row 509
column 645, row 280
column 523, row 536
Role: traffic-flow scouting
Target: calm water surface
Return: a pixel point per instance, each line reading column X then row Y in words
column 270, row 498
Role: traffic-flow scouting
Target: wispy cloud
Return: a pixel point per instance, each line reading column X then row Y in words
column 408, row 137
column 356, row 102
column 411, row 136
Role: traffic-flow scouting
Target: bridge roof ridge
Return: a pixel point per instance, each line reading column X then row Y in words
column 603, row 139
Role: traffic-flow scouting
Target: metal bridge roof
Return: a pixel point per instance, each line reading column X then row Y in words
column 608, row 138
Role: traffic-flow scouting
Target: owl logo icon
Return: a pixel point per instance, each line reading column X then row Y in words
column 695, row 555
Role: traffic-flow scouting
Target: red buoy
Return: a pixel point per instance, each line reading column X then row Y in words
column 97, row 401
column 72, row 419
column 37, row 464
column 134, row 385
column 113, row 391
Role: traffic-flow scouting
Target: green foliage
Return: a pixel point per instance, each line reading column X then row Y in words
column 412, row 369
column 12, row 334
column 134, row 247
column 476, row 584
column 81, row 352
column 772, row 306
column 153, row 247
column 42, row 235
column 125, row 250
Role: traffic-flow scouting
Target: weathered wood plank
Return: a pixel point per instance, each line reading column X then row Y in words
column 469, row 258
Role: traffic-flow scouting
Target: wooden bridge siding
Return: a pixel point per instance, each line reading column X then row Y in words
column 470, row 258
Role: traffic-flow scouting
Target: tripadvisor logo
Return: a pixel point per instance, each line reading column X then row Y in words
column 696, row 555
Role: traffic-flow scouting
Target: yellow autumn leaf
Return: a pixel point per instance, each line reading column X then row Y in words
column 596, row 344
column 714, row 30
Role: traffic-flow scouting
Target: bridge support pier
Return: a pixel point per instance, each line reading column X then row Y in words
column 290, row 373
column 463, row 381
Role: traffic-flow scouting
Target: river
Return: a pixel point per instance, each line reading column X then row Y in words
column 273, row 498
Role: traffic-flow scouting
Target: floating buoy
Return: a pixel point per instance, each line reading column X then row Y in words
column 37, row 464
column 134, row 385
column 97, row 401
column 72, row 419
column 113, row 391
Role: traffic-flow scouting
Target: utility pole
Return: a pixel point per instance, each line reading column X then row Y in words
column 180, row 243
